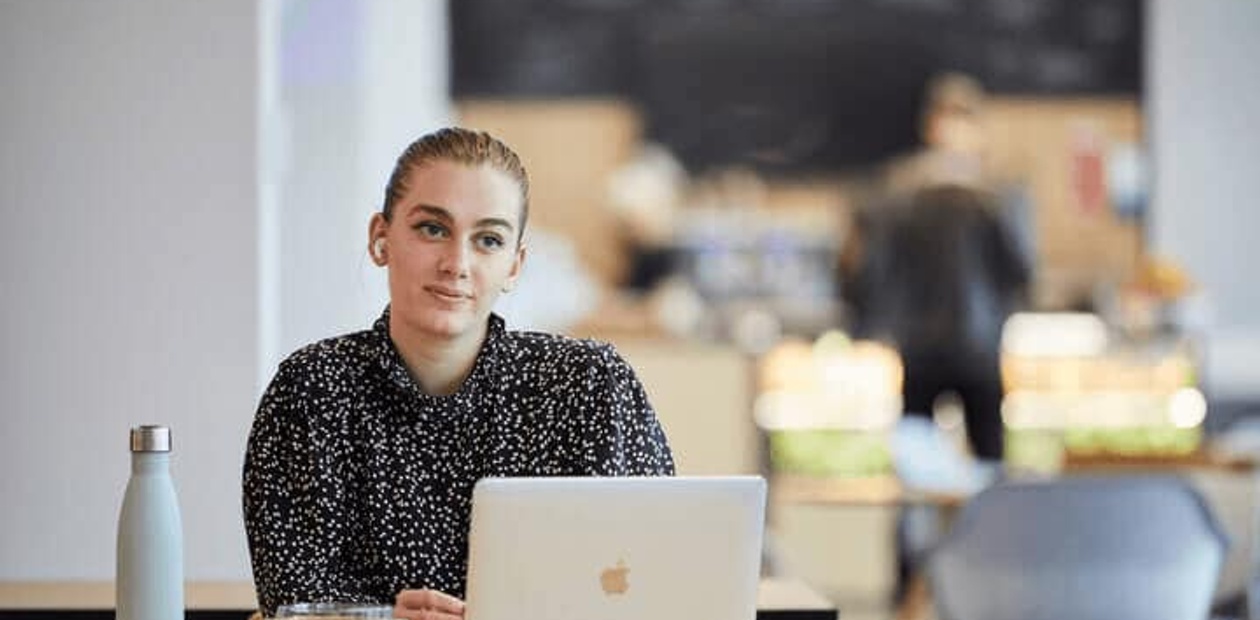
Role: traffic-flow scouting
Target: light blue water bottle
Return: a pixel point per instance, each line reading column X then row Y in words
column 149, row 583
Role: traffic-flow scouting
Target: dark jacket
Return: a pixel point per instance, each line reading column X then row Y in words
column 937, row 272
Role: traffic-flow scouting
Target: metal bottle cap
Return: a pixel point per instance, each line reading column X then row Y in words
column 150, row 438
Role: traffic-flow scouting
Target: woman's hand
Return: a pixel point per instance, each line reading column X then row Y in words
column 427, row 605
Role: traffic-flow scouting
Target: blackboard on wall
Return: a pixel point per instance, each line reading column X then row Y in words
column 789, row 86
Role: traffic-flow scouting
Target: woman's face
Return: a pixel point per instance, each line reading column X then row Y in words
column 451, row 246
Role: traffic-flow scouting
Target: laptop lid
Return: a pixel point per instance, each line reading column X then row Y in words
column 664, row 548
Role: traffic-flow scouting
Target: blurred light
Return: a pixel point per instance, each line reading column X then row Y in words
column 832, row 383
column 756, row 331
column 1099, row 409
column 1187, row 408
column 1054, row 334
column 832, row 342
column 780, row 410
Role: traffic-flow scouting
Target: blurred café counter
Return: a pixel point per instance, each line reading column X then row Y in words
column 1074, row 390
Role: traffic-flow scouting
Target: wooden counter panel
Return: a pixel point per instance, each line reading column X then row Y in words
column 88, row 595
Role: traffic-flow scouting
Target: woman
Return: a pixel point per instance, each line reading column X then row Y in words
column 365, row 448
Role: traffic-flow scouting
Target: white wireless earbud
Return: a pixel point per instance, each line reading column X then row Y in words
column 378, row 248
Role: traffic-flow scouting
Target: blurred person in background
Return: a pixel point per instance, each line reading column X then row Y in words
column 645, row 196
column 953, row 134
column 654, row 294
column 360, row 465
column 935, row 275
column 956, row 151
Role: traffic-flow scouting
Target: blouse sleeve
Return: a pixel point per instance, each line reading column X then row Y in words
column 618, row 434
column 297, row 520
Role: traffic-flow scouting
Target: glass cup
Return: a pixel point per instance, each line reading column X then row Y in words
column 331, row 611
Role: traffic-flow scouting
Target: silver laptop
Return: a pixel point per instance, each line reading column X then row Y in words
column 684, row 548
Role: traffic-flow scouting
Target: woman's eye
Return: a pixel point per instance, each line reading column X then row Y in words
column 431, row 229
column 489, row 241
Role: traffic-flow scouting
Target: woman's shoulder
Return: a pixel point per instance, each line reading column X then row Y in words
column 337, row 355
column 560, row 350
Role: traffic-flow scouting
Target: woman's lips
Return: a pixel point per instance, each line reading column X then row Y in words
column 448, row 294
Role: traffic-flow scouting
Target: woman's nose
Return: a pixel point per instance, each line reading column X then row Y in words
column 455, row 259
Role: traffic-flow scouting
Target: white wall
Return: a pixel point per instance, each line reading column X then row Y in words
column 127, row 233
column 353, row 83
column 1203, row 100
column 178, row 209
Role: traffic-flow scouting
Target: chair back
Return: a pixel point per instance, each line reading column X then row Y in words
column 1114, row 548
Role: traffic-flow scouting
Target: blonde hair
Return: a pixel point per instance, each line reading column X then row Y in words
column 462, row 146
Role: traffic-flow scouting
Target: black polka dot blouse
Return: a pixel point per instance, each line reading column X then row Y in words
column 358, row 485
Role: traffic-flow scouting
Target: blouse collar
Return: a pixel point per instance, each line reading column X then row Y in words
column 392, row 363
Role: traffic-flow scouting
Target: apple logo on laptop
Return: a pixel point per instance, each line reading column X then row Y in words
column 614, row 579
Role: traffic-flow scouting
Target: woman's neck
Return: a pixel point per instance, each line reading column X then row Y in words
column 439, row 365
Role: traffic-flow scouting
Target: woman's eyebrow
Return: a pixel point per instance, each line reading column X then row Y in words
column 494, row 222
column 433, row 210
column 447, row 217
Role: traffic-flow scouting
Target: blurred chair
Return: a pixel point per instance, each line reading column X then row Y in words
column 1117, row 548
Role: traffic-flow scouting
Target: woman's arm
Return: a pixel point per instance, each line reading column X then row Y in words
column 301, row 533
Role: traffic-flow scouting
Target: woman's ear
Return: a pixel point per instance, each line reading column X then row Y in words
column 377, row 247
column 517, row 263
